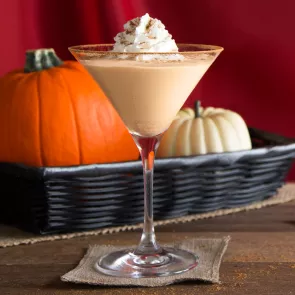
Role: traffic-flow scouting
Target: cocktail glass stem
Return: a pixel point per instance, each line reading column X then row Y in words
column 147, row 147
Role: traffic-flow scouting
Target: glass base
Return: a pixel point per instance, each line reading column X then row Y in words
column 168, row 261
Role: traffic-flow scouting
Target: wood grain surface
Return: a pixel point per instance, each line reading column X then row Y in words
column 260, row 258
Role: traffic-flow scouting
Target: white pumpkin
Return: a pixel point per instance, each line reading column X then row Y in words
column 208, row 130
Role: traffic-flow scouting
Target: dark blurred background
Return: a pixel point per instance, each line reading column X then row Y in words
column 253, row 76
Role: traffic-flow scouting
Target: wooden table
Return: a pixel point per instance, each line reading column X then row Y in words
column 260, row 258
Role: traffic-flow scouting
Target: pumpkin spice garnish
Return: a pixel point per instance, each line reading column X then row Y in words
column 150, row 23
column 146, row 34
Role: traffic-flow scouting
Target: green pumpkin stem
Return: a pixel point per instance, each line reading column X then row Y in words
column 197, row 109
column 41, row 59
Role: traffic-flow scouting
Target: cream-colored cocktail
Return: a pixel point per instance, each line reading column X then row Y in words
column 147, row 77
column 147, row 95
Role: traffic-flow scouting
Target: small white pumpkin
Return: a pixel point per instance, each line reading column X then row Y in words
column 206, row 130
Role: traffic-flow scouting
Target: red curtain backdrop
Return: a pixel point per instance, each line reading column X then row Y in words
column 253, row 76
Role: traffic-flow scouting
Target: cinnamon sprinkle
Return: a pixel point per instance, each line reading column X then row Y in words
column 248, row 257
column 150, row 23
column 241, row 276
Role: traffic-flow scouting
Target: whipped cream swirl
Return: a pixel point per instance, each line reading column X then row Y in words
column 146, row 34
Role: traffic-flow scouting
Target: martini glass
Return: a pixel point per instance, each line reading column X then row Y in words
column 147, row 90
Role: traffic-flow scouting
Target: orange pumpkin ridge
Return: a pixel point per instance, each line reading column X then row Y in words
column 52, row 113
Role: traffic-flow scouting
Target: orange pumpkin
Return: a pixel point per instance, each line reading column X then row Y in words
column 54, row 114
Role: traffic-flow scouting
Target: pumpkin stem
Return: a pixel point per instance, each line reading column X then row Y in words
column 197, row 109
column 41, row 59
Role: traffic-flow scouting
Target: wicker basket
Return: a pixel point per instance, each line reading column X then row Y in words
column 68, row 199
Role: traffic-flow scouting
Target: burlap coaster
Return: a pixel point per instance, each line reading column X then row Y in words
column 10, row 236
column 209, row 252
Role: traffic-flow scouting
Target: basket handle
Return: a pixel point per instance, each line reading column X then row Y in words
column 270, row 137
